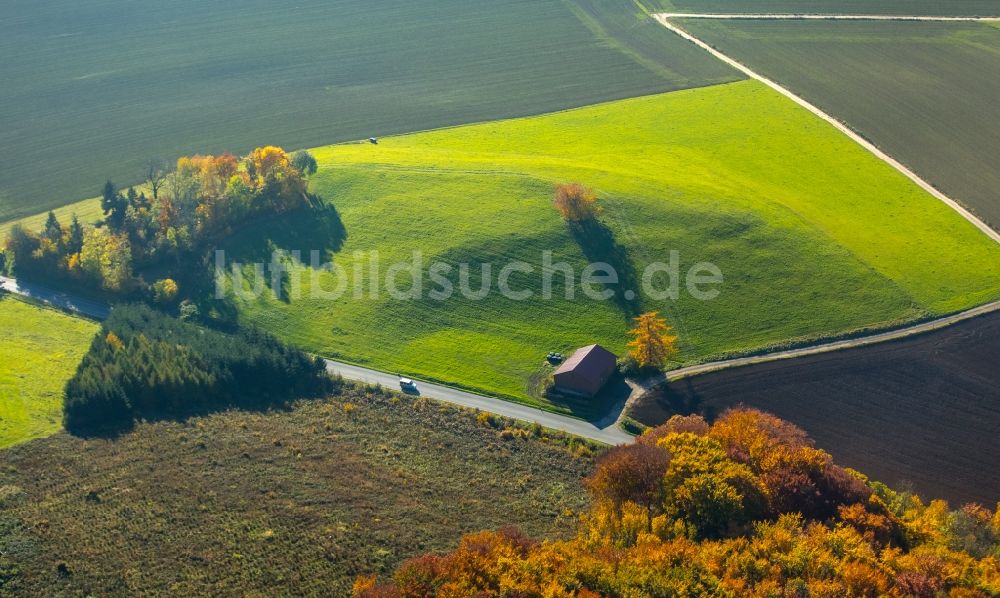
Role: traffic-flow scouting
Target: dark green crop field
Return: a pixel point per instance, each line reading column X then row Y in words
column 861, row 7
column 94, row 89
column 926, row 93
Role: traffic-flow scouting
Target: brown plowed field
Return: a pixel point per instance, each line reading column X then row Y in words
column 921, row 412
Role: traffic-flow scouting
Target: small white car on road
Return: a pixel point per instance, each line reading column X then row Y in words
column 407, row 384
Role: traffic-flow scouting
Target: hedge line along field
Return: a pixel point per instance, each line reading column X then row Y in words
column 926, row 93
column 39, row 351
column 967, row 8
column 87, row 210
column 920, row 411
column 94, row 90
column 814, row 236
column 295, row 502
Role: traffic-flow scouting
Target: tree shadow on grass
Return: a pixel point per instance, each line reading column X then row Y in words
column 111, row 429
column 310, row 236
column 598, row 244
column 318, row 229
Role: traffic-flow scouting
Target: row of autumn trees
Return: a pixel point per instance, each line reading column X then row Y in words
column 145, row 364
column 744, row 507
column 190, row 206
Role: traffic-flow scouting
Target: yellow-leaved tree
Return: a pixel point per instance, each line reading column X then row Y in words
column 652, row 344
column 269, row 161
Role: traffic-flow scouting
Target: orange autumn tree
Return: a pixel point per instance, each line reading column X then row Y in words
column 576, row 202
column 652, row 344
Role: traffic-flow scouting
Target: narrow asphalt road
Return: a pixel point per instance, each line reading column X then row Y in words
column 43, row 294
column 607, row 432
column 849, row 343
column 664, row 19
column 610, row 434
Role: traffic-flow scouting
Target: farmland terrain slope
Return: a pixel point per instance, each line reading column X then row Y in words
column 814, row 236
column 94, row 90
column 924, row 92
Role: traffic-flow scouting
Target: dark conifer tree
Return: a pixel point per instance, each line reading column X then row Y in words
column 75, row 242
column 53, row 230
column 114, row 205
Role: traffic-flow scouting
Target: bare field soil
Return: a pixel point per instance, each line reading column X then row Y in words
column 923, row 411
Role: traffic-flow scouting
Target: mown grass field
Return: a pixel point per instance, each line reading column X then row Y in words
column 87, row 210
column 814, row 236
column 39, row 351
column 295, row 502
column 856, row 7
column 926, row 93
column 94, row 90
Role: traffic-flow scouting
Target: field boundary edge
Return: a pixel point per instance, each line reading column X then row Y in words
column 664, row 19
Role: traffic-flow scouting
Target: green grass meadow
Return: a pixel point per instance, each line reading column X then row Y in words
column 926, row 93
column 39, row 351
column 87, row 210
column 854, row 7
column 93, row 90
column 815, row 237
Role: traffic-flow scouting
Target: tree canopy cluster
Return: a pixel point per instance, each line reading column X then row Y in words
column 199, row 201
column 746, row 506
column 144, row 363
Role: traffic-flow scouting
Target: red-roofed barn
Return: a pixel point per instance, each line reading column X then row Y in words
column 585, row 372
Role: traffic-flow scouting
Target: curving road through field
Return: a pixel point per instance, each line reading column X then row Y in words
column 664, row 19
column 827, row 347
column 606, row 430
column 53, row 298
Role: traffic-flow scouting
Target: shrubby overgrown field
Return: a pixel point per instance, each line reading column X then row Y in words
column 298, row 500
column 746, row 506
